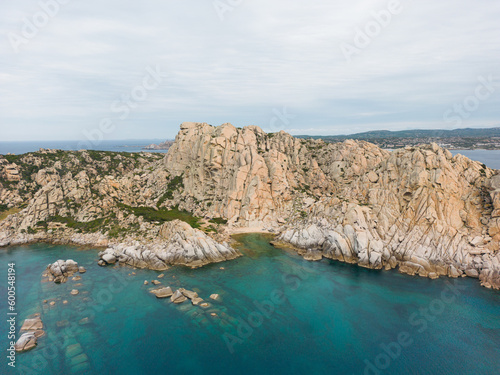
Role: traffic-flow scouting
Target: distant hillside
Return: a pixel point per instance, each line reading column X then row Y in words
column 416, row 133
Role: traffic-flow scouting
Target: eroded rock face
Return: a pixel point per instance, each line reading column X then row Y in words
column 11, row 172
column 427, row 213
column 178, row 244
column 418, row 208
column 252, row 178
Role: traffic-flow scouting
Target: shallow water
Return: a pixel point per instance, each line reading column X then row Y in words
column 278, row 314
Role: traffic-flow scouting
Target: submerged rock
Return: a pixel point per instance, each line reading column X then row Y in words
column 32, row 324
column 33, row 328
column 196, row 300
column 26, row 342
column 162, row 292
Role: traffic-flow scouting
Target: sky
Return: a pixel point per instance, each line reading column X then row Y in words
column 72, row 70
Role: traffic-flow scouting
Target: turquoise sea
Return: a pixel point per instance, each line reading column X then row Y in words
column 278, row 314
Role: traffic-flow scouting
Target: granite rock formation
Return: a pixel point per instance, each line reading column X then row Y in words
column 418, row 209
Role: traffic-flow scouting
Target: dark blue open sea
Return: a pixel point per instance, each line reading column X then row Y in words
column 278, row 314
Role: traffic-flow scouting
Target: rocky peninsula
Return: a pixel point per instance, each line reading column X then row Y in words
column 418, row 209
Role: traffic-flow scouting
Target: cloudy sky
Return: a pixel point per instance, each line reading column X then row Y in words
column 138, row 69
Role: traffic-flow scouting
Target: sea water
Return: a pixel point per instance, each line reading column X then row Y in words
column 276, row 314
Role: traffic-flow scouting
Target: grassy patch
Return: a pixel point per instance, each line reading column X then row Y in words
column 163, row 215
column 7, row 212
column 218, row 220
column 172, row 186
column 209, row 229
column 117, row 231
column 89, row 226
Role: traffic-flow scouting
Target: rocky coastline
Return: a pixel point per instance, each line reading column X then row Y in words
column 418, row 209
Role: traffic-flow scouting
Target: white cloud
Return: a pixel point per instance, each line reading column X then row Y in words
column 264, row 55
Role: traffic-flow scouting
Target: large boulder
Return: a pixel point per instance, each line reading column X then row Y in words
column 162, row 292
column 178, row 244
column 60, row 270
column 178, row 297
column 26, row 342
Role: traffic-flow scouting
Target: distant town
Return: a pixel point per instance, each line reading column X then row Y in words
column 457, row 143
column 458, row 139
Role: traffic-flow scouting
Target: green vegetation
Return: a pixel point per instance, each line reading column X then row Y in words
column 117, row 231
column 209, row 229
column 7, row 211
column 172, row 186
column 89, row 226
column 218, row 220
column 163, row 215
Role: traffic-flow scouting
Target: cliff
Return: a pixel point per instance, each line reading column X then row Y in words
column 418, row 209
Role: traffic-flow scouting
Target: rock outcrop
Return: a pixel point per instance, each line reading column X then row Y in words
column 26, row 342
column 162, row 292
column 178, row 297
column 253, row 178
column 419, row 209
column 178, row 244
column 427, row 213
column 31, row 330
column 60, row 270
